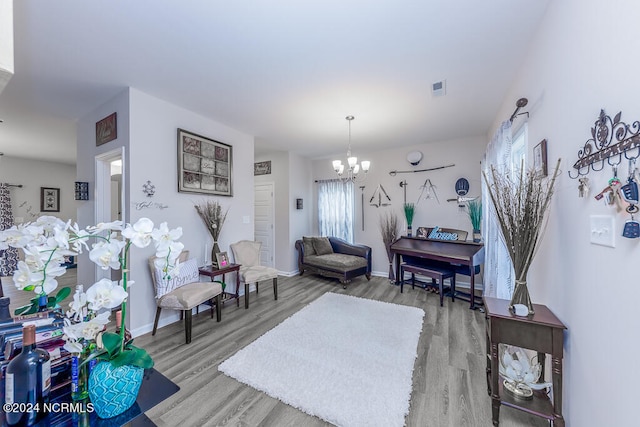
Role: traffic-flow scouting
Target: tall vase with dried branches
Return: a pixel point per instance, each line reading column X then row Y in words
column 389, row 232
column 211, row 213
column 521, row 203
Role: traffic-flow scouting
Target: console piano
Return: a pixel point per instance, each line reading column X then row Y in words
column 457, row 253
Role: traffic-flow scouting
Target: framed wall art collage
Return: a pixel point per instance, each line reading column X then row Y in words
column 204, row 165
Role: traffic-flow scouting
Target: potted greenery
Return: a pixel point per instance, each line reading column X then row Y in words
column 409, row 210
column 474, row 209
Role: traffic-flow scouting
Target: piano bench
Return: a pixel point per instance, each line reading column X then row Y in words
column 434, row 272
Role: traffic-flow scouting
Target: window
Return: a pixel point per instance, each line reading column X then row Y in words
column 519, row 150
column 336, row 209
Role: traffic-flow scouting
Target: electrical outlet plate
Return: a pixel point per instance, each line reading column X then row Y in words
column 602, row 228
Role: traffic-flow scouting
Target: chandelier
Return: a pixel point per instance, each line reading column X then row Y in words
column 351, row 174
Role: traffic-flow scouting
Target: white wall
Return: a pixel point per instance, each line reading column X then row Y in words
column 86, row 165
column 584, row 58
column 292, row 179
column 279, row 176
column 466, row 157
column 153, row 157
column 300, row 187
column 6, row 42
column 34, row 174
column 147, row 127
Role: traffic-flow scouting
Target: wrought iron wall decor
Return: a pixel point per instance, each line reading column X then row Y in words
column 149, row 189
column 611, row 139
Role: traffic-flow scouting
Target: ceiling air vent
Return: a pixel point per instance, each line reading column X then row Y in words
column 439, row 88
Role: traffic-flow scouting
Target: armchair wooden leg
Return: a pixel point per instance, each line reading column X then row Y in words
column 218, row 308
column 187, row 325
column 256, row 288
column 155, row 324
column 246, row 295
column 275, row 288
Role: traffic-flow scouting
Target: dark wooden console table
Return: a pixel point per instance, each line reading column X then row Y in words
column 542, row 332
column 155, row 388
column 213, row 272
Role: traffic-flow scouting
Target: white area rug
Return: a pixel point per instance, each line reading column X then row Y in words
column 344, row 359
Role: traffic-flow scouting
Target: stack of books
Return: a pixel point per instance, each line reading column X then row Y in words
column 48, row 337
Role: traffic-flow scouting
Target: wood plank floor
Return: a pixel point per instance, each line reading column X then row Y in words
column 449, row 383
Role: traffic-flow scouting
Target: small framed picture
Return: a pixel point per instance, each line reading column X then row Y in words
column 222, row 259
column 49, row 199
column 540, row 158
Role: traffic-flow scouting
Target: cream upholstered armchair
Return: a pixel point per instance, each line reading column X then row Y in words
column 184, row 292
column 247, row 254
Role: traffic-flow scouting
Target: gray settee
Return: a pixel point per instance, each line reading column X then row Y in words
column 333, row 257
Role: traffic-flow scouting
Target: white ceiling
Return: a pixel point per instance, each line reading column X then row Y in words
column 285, row 71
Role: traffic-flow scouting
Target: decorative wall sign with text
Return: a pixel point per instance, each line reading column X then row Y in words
column 149, row 205
column 262, row 168
column 106, row 129
column 204, row 165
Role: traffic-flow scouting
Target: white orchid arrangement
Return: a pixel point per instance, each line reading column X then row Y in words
column 46, row 241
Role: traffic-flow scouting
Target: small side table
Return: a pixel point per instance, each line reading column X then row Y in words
column 542, row 332
column 213, row 272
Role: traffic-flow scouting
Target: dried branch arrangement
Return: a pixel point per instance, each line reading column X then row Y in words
column 390, row 233
column 389, row 228
column 521, row 204
column 211, row 213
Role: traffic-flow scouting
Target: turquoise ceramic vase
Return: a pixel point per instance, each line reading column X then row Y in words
column 114, row 390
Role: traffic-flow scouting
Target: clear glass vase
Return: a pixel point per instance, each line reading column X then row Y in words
column 521, row 296
column 214, row 250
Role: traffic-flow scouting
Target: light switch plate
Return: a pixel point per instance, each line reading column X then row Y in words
column 246, row 219
column 602, row 228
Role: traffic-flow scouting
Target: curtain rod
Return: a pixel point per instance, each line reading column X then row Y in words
column 522, row 102
column 328, row 180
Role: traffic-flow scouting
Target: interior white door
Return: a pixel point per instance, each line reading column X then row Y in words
column 264, row 222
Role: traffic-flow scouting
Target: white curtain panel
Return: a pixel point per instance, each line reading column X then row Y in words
column 498, row 270
column 336, row 209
